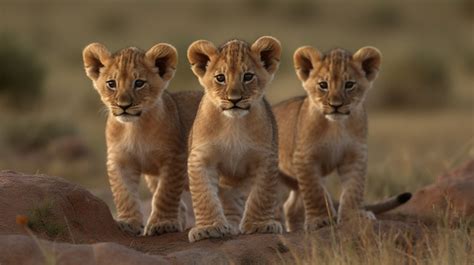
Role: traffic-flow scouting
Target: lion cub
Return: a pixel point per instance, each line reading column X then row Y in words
column 146, row 131
column 326, row 131
column 233, row 142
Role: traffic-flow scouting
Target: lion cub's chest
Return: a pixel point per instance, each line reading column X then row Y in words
column 148, row 152
column 235, row 152
column 332, row 146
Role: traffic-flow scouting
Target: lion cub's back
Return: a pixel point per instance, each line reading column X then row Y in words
column 286, row 114
column 188, row 104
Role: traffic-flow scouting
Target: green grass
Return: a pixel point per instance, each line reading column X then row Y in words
column 42, row 220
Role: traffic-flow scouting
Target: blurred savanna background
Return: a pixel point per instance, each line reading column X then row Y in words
column 421, row 109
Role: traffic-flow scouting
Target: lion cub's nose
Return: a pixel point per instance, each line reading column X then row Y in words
column 235, row 100
column 335, row 104
column 124, row 105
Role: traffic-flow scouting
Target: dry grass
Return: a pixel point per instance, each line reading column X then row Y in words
column 366, row 245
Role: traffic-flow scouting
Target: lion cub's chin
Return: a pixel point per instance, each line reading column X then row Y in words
column 127, row 118
column 235, row 113
column 336, row 117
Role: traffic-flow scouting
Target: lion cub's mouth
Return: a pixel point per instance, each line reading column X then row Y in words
column 125, row 117
column 236, row 108
column 128, row 114
column 236, row 111
column 337, row 115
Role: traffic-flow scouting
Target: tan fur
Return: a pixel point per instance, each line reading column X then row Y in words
column 233, row 142
column 326, row 131
column 146, row 132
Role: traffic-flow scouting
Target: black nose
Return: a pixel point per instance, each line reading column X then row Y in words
column 124, row 106
column 235, row 101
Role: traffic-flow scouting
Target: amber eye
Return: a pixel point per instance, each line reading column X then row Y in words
column 111, row 84
column 139, row 83
column 323, row 85
column 248, row 77
column 349, row 85
column 220, row 78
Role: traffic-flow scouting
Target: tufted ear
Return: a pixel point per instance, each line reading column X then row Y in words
column 268, row 49
column 304, row 60
column 164, row 58
column 200, row 54
column 95, row 56
column 369, row 59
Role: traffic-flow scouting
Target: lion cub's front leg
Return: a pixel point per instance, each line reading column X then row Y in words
column 124, row 185
column 203, row 184
column 164, row 217
column 259, row 215
column 318, row 206
column 352, row 173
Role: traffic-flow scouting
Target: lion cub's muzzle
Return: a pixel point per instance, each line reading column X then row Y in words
column 235, row 107
column 337, row 112
column 126, row 111
column 236, row 104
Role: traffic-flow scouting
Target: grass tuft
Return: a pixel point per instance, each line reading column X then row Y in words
column 41, row 219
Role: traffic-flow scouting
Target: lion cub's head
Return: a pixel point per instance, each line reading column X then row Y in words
column 131, row 81
column 235, row 74
column 337, row 81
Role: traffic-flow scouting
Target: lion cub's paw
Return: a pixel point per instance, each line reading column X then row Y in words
column 368, row 215
column 133, row 228
column 271, row 227
column 162, row 227
column 210, row 231
column 361, row 215
column 317, row 223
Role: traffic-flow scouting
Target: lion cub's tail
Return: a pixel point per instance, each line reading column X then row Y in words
column 388, row 204
column 378, row 207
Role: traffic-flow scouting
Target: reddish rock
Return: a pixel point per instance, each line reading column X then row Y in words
column 451, row 197
column 20, row 249
column 466, row 171
column 68, row 211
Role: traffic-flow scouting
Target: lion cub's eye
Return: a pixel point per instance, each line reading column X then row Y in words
column 349, row 85
column 220, row 78
column 111, row 84
column 323, row 85
column 248, row 77
column 139, row 83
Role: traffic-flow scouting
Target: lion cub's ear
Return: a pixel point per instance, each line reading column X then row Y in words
column 268, row 49
column 95, row 56
column 369, row 59
column 305, row 59
column 200, row 54
column 163, row 58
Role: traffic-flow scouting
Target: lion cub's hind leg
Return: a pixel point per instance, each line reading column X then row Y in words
column 294, row 212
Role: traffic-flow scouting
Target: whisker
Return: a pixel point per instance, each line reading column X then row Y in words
column 104, row 111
